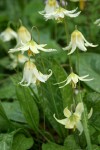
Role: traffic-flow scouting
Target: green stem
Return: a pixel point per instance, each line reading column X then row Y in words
column 85, row 118
column 86, row 130
column 67, row 37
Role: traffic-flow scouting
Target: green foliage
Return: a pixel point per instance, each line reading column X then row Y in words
column 52, row 146
column 28, row 106
column 14, row 140
column 7, row 89
column 13, row 111
column 26, row 113
column 6, row 141
column 89, row 64
column 22, row 142
column 53, row 99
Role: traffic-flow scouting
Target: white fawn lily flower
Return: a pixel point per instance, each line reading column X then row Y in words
column 33, row 47
column 97, row 22
column 73, row 119
column 32, row 75
column 60, row 13
column 8, row 34
column 23, row 36
column 20, row 58
column 50, row 7
column 78, row 40
column 73, row 79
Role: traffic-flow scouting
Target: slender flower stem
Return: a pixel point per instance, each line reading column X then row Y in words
column 67, row 37
column 85, row 118
column 69, row 57
column 34, row 27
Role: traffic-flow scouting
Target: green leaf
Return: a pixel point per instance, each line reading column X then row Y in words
column 21, row 142
column 7, row 89
column 28, row 106
column 96, row 147
column 53, row 146
column 54, row 99
column 89, row 64
column 93, row 101
column 2, row 112
column 13, row 111
column 70, row 143
column 6, row 141
column 60, row 75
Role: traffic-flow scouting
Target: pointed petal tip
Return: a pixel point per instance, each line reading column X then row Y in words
column 90, row 113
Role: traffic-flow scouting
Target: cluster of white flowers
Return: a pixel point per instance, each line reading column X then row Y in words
column 52, row 10
column 25, row 43
column 31, row 75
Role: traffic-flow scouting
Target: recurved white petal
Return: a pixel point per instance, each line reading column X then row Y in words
column 66, row 112
column 23, row 48
column 68, row 81
column 71, row 11
column 73, row 15
column 79, row 108
column 90, row 113
column 83, row 78
column 73, row 48
column 79, row 127
column 68, row 47
column 80, row 44
column 62, row 121
column 60, row 82
column 46, row 50
column 87, row 43
column 45, row 76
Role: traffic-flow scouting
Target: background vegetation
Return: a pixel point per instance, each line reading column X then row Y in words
column 26, row 114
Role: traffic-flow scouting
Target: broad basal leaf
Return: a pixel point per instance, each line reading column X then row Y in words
column 21, row 142
column 13, row 111
column 89, row 64
column 28, row 106
column 54, row 99
column 53, row 146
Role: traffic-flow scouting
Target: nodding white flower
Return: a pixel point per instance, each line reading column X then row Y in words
column 50, row 6
column 73, row 119
column 23, row 36
column 60, row 13
column 20, row 58
column 33, row 47
column 32, row 75
column 8, row 34
column 78, row 40
column 73, row 79
column 97, row 22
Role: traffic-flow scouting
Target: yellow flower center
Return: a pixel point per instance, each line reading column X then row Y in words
column 52, row 2
column 30, row 52
column 29, row 65
column 21, row 29
column 76, row 33
column 8, row 30
column 74, row 118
